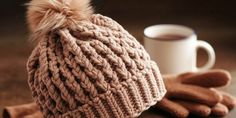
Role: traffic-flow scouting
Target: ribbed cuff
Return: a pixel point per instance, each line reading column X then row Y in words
column 130, row 100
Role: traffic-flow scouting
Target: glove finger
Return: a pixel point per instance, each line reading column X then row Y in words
column 219, row 110
column 195, row 108
column 228, row 100
column 211, row 78
column 175, row 109
column 195, row 94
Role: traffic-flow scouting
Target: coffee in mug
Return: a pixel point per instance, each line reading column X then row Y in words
column 170, row 37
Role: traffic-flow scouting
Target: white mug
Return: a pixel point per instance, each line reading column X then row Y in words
column 176, row 56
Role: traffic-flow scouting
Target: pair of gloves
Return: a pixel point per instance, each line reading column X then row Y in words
column 188, row 93
column 195, row 93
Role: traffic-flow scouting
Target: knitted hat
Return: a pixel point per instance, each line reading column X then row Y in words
column 87, row 65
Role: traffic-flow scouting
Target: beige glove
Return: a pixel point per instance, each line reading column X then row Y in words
column 191, row 93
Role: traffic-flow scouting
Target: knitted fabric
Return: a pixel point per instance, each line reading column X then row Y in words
column 95, row 69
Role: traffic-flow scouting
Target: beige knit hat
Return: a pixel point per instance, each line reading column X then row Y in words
column 87, row 65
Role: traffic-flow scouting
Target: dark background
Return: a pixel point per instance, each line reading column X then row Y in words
column 213, row 21
column 202, row 15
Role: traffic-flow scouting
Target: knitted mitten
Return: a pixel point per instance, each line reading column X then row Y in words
column 191, row 93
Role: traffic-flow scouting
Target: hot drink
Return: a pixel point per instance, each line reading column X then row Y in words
column 170, row 37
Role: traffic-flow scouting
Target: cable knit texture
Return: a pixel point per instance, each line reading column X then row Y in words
column 94, row 68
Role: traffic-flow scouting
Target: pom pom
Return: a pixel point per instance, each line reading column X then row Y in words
column 52, row 14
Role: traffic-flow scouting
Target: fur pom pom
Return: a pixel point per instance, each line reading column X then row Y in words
column 52, row 14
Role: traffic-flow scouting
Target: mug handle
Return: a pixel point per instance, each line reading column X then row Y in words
column 211, row 55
